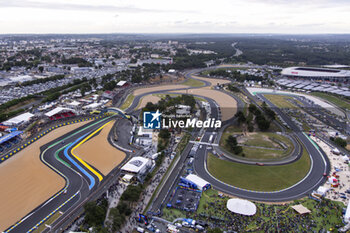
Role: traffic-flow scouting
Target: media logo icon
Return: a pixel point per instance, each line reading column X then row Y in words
column 152, row 120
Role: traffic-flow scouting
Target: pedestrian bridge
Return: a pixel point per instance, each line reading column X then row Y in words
column 116, row 110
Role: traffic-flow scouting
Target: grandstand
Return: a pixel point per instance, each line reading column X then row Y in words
column 8, row 140
column 315, row 73
column 20, row 119
column 60, row 113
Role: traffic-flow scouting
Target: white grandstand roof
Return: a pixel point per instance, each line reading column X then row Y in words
column 309, row 87
column 291, row 84
column 19, row 119
column 315, row 72
column 136, row 164
column 328, row 89
column 336, row 66
column 57, row 110
column 121, row 83
column 339, row 92
column 347, row 93
column 317, row 88
column 299, row 86
column 240, row 206
column 283, row 81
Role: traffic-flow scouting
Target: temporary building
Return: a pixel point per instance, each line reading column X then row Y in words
column 127, row 178
column 332, row 180
column 25, row 117
column 93, row 106
column 322, row 190
column 199, row 182
column 335, row 151
column 242, row 207
column 137, row 165
column 74, row 103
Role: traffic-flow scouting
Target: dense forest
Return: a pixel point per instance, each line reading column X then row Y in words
column 284, row 52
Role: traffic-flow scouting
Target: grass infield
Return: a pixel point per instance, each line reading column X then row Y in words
column 259, row 178
column 193, row 83
column 128, row 102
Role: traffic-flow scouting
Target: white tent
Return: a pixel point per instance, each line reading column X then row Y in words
column 93, row 106
column 74, row 103
column 240, row 206
column 332, row 180
column 121, row 83
column 201, row 184
column 335, row 151
column 25, row 117
column 322, row 190
column 137, row 165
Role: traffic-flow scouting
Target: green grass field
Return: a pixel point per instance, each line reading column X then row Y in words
column 324, row 215
column 259, row 178
column 262, row 154
column 281, row 101
column 193, row 83
column 342, row 103
column 127, row 102
column 259, row 139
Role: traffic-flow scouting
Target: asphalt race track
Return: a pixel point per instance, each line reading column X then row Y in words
column 314, row 178
column 82, row 179
column 57, row 155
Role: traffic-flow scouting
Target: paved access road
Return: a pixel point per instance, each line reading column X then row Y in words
column 84, row 180
column 314, row 178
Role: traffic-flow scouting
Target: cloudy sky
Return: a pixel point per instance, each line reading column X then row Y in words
column 176, row 16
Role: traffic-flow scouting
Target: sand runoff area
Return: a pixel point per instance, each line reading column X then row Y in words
column 148, row 98
column 99, row 153
column 157, row 88
column 26, row 182
column 228, row 105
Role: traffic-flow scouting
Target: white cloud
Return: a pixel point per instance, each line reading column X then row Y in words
column 221, row 16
